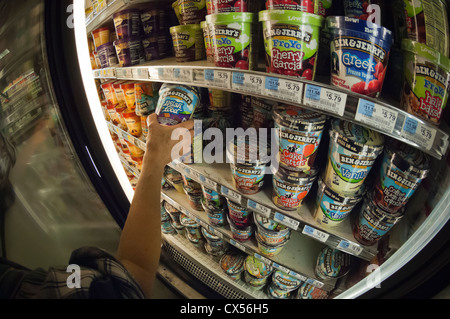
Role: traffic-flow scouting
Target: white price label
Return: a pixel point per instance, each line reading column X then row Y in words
column 418, row 133
column 315, row 283
column 248, row 83
column 315, row 233
column 215, row 231
column 124, row 73
column 195, row 174
column 209, row 183
column 284, row 89
column 263, row 259
column 376, row 115
column 259, row 208
column 325, row 99
column 218, row 78
column 298, row 276
column 165, row 74
column 279, row 267
column 350, row 247
column 286, row 221
column 231, row 194
column 183, row 75
column 199, row 76
column 97, row 73
column 153, row 73
column 140, row 73
column 238, row 245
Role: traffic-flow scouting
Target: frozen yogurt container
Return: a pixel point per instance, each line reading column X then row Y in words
column 291, row 42
column 127, row 23
column 207, row 40
column 402, row 170
column 188, row 42
column 359, row 54
column 426, row 82
column 294, row 5
column 352, row 153
column 232, row 39
column 298, row 135
column 333, row 208
column 232, row 263
column 291, row 187
column 176, row 103
column 128, row 51
column 332, row 264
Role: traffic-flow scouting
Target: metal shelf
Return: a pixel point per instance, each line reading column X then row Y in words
column 321, row 97
column 297, row 258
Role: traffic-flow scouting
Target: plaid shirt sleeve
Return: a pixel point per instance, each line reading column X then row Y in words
column 102, row 277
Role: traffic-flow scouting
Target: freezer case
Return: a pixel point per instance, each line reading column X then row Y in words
column 411, row 261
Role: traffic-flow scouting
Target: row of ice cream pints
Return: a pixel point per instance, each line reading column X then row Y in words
column 237, row 265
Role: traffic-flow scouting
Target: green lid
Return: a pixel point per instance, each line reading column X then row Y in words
column 185, row 28
column 427, row 52
column 230, row 17
column 291, row 17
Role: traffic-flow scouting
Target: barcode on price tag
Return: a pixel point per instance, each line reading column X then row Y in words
column 284, row 89
column 183, row 75
column 376, row 115
column 259, row 208
column 231, row 194
column 315, row 233
column 248, row 83
column 418, row 133
column 350, row 247
column 286, row 221
column 325, row 99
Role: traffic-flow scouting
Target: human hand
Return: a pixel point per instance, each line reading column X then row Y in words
column 167, row 143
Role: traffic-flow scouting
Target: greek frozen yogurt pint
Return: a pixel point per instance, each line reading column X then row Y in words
column 291, row 42
column 176, row 104
column 332, row 207
column 402, row 170
column 332, row 264
column 188, row 42
column 291, row 187
column 232, row 39
column 426, row 82
column 298, row 135
column 352, row 153
column 359, row 54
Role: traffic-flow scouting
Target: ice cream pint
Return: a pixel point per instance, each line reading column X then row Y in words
column 191, row 11
column 359, row 54
column 223, row 6
column 368, row 10
column 101, row 36
column 241, row 232
column 107, row 55
column 176, row 104
column 267, row 249
column 149, row 21
column 298, row 135
column 291, row 187
column 207, row 40
column 255, row 282
column 277, row 293
column 130, row 96
column 402, row 170
column 127, row 23
column 426, row 81
column 133, row 122
column 213, row 200
column 351, row 155
column 188, row 42
column 291, row 42
column 128, row 51
column 241, row 216
column 332, row 264
column 308, row 291
column 232, row 263
column 373, row 222
column 257, row 268
column 333, row 208
column 232, row 39
column 427, row 23
column 146, row 98
column 293, row 5
column 285, row 281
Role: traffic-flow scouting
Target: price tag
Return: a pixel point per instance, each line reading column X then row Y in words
column 248, row 83
column 124, row 73
column 263, row 259
column 238, row 245
column 215, row 231
column 285, row 220
column 325, row 99
column 187, row 170
column 279, row 267
column 165, row 74
column 259, row 208
column 231, row 194
column 183, row 75
column 284, row 89
column 350, row 247
column 315, row 233
column 298, row 276
column 418, row 133
column 218, row 78
column 140, row 73
column 207, row 182
column 376, row 115
column 97, row 73
column 199, row 76
column 153, row 74
column 315, row 283
column 111, row 72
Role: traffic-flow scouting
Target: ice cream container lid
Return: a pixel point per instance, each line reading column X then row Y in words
column 333, row 263
column 232, row 262
column 407, row 158
column 101, row 29
column 126, row 40
column 125, row 12
column 248, row 151
column 291, row 17
column 184, row 28
column 297, row 118
column 272, row 245
column 295, row 177
column 370, row 28
column 188, row 222
column 230, row 17
column 256, row 267
column 285, row 281
column 268, row 223
column 360, row 138
column 427, row 52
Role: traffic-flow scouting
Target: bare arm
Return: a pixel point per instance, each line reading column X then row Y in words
column 140, row 243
